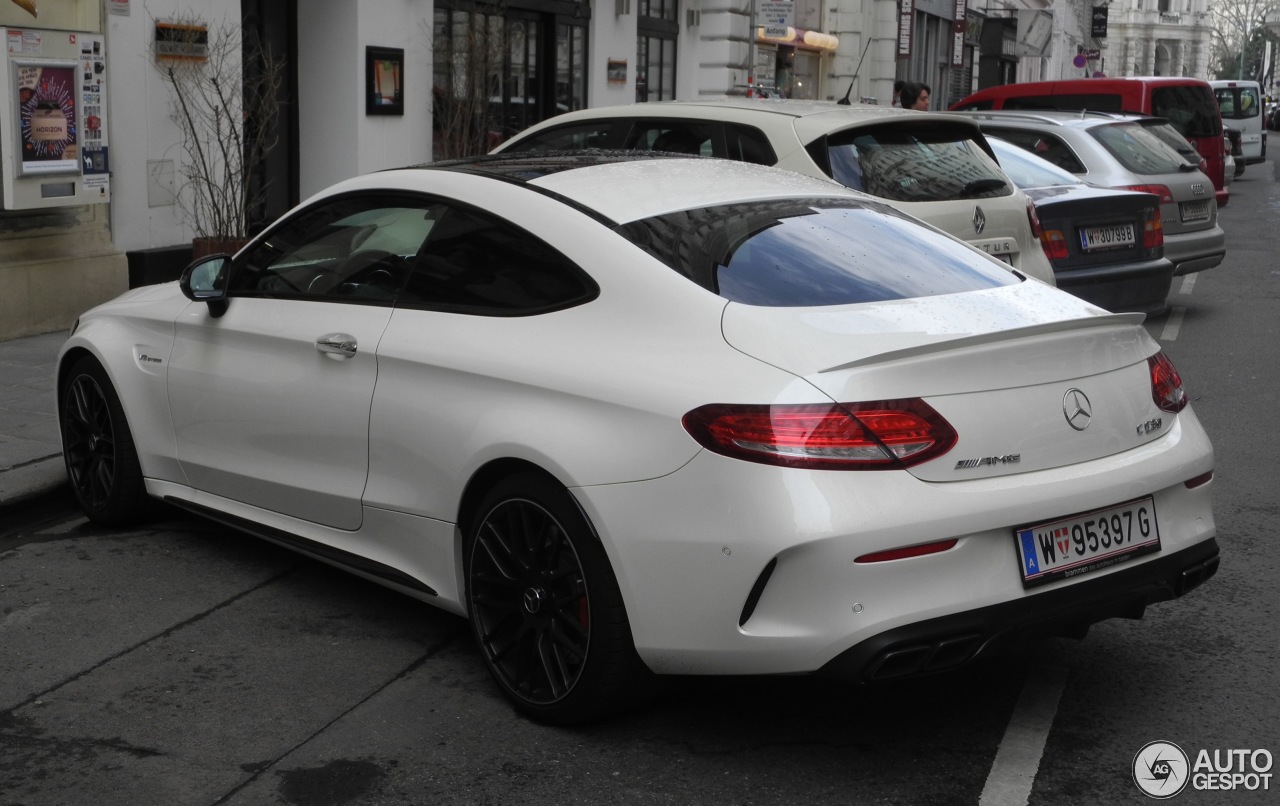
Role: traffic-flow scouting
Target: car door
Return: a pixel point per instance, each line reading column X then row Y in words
column 270, row 400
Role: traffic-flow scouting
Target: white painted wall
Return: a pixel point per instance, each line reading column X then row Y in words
column 139, row 128
column 337, row 139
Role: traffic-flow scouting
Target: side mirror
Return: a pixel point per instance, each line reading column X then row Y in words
column 205, row 280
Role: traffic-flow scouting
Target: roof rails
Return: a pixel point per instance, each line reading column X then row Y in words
column 1047, row 115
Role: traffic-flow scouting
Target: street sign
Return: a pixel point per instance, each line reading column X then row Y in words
column 775, row 17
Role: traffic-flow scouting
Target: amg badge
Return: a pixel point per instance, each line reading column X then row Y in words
column 1007, row 459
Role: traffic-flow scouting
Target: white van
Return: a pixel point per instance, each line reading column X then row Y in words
column 1241, row 105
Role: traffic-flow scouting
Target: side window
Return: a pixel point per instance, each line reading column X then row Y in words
column 357, row 248
column 478, row 264
column 574, row 136
column 680, row 136
column 1044, row 146
column 749, row 144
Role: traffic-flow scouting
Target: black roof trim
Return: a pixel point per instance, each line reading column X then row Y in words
column 525, row 166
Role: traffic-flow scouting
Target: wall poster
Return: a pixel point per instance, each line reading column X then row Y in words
column 48, row 134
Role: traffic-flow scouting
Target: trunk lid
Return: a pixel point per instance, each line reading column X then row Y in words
column 1008, row 368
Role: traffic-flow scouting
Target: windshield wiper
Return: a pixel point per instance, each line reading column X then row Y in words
column 983, row 185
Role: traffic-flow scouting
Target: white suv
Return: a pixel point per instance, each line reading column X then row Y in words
column 934, row 166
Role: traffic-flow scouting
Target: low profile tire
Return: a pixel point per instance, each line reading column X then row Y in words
column 545, row 607
column 97, row 446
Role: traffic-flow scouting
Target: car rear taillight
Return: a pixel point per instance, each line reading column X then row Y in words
column 880, row 435
column 1166, row 195
column 1033, row 218
column 1055, row 244
column 1166, row 384
column 1152, row 230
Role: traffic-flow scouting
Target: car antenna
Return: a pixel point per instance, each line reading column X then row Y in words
column 845, row 100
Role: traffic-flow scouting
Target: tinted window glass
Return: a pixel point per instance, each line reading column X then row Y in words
column 479, row 264
column 1177, row 142
column 1027, row 170
column 570, row 137
column 1045, row 146
column 680, row 136
column 357, row 248
column 1191, row 110
column 1137, row 149
column 1098, row 102
column 914, row 163
column 810, row 252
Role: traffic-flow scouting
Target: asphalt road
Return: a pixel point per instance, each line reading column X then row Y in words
column 185, row 663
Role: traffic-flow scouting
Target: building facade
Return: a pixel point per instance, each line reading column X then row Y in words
column 373, row 84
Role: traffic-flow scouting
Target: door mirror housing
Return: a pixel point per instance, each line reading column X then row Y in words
column 205, row 280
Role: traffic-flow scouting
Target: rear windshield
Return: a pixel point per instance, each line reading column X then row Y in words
column 912, row 163
column 1238, row 103
column 812, row 252
column 1138, row 149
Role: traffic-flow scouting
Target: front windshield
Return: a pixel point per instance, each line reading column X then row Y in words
column 1026, row 169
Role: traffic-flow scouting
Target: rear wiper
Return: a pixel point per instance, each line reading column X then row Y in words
column 982, row 185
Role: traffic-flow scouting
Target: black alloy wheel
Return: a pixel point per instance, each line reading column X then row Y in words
column 545, row 607
column 97, row 447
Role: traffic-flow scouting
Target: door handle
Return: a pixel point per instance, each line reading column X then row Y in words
column 339, row 345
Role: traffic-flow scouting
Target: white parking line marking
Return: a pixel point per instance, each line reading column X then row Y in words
column 1188, row 283
column 1018, row 759
column 1173, row 324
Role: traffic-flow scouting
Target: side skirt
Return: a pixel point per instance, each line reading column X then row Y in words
column 311, row 548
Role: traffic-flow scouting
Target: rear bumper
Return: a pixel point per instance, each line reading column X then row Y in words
column 1191, row 252
column 951, row 641
column 1142, row 286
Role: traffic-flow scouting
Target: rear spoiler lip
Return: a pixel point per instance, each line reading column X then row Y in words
column 1107, row 320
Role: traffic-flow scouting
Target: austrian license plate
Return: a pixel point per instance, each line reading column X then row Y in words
column 1110, row 237
column 1088, row 542
column 1194, row 210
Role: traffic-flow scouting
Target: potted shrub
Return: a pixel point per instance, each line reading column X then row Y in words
column 223, row 85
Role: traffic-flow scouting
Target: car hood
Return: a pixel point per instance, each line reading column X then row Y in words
column 997, row 364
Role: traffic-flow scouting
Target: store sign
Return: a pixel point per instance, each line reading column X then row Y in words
column 1099, row 30
column 906, row 26
column 958, row 28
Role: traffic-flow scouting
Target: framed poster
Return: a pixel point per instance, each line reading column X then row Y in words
column 384, row 81
column 48, row 117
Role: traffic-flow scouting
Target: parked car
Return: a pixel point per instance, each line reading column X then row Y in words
column 654, row 415
column 1129, row 152
column 1240, row 103
column 1188, row 103
column 1106, row 246
column 930, row 165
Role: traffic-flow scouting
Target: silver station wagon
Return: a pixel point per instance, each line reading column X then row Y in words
column 1129, row 152
column 934, row 166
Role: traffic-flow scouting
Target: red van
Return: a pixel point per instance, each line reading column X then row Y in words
column 1188, row 103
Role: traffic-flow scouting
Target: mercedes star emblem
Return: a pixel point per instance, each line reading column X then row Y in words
column 1077, row 408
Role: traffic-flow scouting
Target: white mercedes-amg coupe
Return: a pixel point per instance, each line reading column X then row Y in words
column 637, row 415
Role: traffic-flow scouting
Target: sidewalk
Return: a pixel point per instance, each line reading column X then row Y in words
column 30, row 445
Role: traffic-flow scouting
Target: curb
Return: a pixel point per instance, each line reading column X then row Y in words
column 27, row 484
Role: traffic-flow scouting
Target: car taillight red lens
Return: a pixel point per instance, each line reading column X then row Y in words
column 880, row 435
column 1034, row 219
column 1055, row 244
column 1166, row 384
column 1166, row 195
column 1153, row 230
